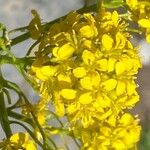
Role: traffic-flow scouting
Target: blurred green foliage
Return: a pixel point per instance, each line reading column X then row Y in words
column 145, row 139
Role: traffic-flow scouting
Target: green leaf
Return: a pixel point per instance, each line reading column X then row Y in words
column 4, row 120
column 113, row 3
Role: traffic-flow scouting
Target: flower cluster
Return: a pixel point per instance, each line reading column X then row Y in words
column 19, row 141
column 121, row 136
column 141, row 14
column 86, row 67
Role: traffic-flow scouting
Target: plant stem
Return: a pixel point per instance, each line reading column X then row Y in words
column 3, row 111
column 20, row 117
column 4, row 116
column 26, row 36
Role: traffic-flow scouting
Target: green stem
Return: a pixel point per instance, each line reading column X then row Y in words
column 57, row 118
column 75, row 140
column 20, row 38
column 40, row 129
column 7, row 95
column 20, row 117
column 30, row 49
column 54, row 145
column 99, row 4
column 18, row 29
column 26, row 36
column 18, row 90
column 3, row 110
column 36, row 121
column 4, row 116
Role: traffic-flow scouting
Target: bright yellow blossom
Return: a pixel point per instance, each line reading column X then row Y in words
column 122, row 136
column 141, row 14
column 20, row 141
column 88, row 76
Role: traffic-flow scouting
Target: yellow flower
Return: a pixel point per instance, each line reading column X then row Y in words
column 89, row 31
column 124, row 134
column 20, row 141
column 102, row 64
column 145, row 23
column 90, row 81
column 79, row 72
column 44, row 72
column 88, row 57
column 88, row 75
column 68, row 93
column 85, row 98
column 132, row 3
column 63, row 52
column 141, row 14
column 121, row 88
column 107, row 42
column 109, row 84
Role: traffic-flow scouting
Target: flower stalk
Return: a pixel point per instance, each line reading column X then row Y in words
column 4, row 120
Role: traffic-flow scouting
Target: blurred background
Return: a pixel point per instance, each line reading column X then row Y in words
column 17, row 13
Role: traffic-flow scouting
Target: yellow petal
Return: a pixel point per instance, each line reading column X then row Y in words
column 112, row 120
column 120, row 40
column 86, row 98
column 72, row 108
column 64, row 78
column 87, row 31
column 132, row 3
column 86, row 83
column 105, row 131
column 49, row 70
column 107, row 42
column 68, row 93
column 104, row 101
column 105, row 115
column 79, row 72
column 148, row 38
column 132, row 101
column 45, row 72
column 131, row 86
column 109, row 84
column 120, row 68
column 102, row 64
column 118, row 145
column 87, row 44
column 91, row 81
column 111, row 64
column 121, row 88
column 63, row 52
column 128, row 64
column 132, row 136
column 145, row 23
column 20, row 138
column 60, row 109
column 115, row 18
column 30, row 146
column 88, row 57
column 41, row 118
column 40, row 76
column 126, row 119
